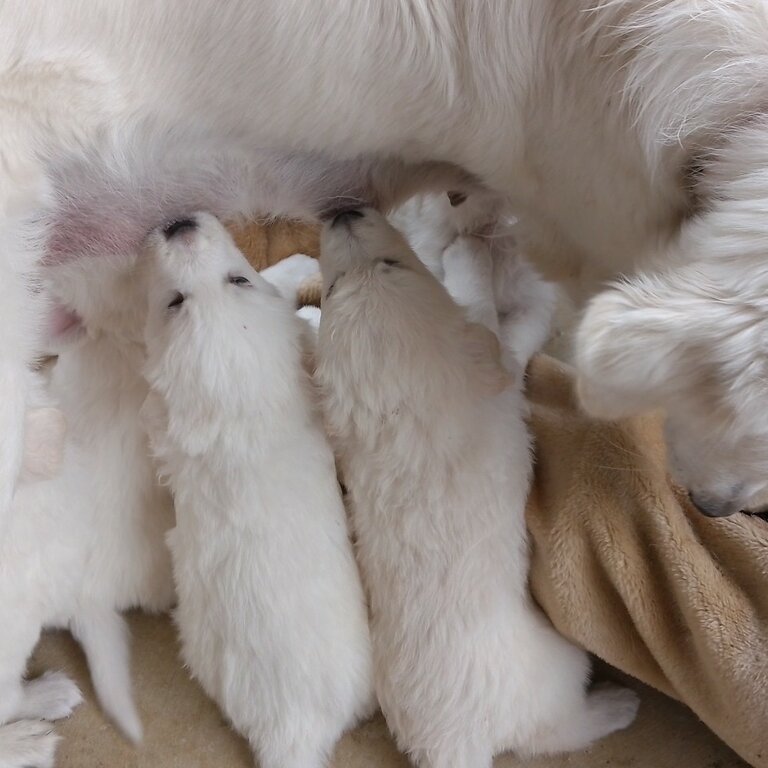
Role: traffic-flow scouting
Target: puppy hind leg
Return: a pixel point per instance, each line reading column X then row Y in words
column 606, row 709
column 103, row 634
column 18, row 637
column 465, row 756
column 288, row 747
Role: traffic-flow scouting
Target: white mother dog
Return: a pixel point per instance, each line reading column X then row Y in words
column 622, row 131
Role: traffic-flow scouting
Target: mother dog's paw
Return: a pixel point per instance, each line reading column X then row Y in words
column 621, row 354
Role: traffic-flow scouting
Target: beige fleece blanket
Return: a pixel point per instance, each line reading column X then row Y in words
column 626, row 567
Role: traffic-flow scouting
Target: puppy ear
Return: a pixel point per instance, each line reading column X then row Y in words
column 44, row 434
column 486, row 358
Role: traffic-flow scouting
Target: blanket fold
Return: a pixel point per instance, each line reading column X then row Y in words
column 628, row 569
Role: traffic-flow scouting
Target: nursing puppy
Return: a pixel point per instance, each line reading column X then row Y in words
column 87, row 543
column 31, row 743
column 436, row 457
column 278, row 636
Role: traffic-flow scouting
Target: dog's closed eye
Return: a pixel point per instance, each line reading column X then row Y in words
column 176, row 301
column 239, row 280
column 391, row 262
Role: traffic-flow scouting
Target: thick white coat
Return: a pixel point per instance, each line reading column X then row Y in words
column 271, row 613
column 429, row 427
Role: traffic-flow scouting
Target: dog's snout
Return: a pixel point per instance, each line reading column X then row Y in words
column 344, row 217
column 179, row 226
column 712, row 507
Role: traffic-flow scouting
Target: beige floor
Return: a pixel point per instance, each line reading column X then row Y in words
column 185, row 730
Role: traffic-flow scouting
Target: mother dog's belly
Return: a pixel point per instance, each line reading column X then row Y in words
column 279, row 79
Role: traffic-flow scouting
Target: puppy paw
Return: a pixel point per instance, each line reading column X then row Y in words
column 51, row 697
column 613, row 707
column 28, row 744
column 310, row 292
column 289, row 274
column 311, row 315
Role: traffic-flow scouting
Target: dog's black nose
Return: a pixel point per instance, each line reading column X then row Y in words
column 343, row 217
column 180, row 225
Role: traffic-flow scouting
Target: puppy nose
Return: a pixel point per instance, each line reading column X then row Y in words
column 178, row 226
column 344, row 217
column 711, row 507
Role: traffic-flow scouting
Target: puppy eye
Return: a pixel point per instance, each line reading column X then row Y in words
column 176, row 301
column 390, row 262
column 239, row 280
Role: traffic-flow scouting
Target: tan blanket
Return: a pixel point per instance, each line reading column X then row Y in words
column 625, row 566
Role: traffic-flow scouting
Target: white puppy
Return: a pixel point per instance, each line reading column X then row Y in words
column 271, row 610
column 31, row 743
column 436, row 457
column 88, row 543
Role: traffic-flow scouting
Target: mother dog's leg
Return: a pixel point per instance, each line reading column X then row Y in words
column 693, row 340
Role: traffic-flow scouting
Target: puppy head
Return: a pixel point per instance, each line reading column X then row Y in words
column 95, row 294
column 213, row 326
column 362, row 241
column 389, row 331
column 682, row 343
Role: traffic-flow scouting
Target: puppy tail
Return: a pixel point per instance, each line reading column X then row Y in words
column 104, row 637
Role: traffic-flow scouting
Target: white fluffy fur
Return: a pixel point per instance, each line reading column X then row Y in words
column 271, row 610
column 498, row 286
column 31, row 743
column 435, row 454
column 606, row 124
column 88, row 542
column 28, row 744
